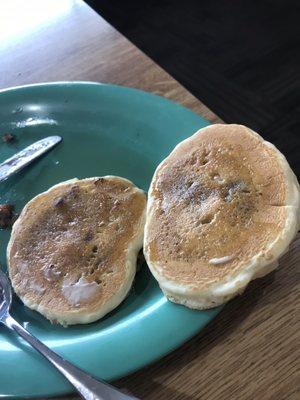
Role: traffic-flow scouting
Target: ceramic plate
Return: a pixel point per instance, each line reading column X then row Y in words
column 106, row 130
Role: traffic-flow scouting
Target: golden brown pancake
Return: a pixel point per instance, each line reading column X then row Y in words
column 72, row 253
column 222, row 208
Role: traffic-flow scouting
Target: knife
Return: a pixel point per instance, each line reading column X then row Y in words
column 26, row 156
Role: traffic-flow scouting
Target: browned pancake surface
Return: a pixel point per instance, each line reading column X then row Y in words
column 76, row 232
column 217, row 195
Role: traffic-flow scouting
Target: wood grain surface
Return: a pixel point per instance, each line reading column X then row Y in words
column 251, row 350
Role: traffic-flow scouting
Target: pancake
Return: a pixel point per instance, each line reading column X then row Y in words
column 222, row 208
column 73, row 250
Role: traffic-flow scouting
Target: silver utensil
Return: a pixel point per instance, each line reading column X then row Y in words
column 26, row 156
column 88, row 387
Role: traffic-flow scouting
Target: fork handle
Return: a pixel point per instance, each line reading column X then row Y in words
column 88, row 387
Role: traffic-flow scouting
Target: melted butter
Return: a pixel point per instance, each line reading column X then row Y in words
column 220, row 260
column 36, row 288
column 78, row 292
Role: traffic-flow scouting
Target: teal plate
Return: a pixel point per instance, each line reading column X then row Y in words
column 111, row 130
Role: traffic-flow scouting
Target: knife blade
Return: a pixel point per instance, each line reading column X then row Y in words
column 26, row 156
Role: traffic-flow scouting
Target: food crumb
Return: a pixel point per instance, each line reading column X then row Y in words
column 8, row 138
column 6, row 215
column 59, row 202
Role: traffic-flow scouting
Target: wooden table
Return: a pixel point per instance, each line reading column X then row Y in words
column 251, row 350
